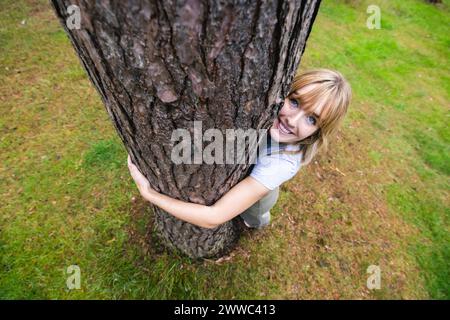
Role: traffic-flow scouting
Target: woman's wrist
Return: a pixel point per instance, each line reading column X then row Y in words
column 149, row 194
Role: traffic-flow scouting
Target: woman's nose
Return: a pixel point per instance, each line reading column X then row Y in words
column 292, row 120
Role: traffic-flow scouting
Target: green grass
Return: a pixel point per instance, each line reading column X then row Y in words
column 400, row 76
column 431, row 246
column 378, row 196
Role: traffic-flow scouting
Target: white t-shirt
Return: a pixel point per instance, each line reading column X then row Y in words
column 273, row 169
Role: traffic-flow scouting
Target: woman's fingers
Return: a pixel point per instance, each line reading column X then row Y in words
column 141, row 181
column 132, row 168
column 138, row 177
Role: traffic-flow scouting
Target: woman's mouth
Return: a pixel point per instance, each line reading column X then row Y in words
column 283, row 129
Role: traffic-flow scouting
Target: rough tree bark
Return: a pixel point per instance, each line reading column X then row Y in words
column 160, row 65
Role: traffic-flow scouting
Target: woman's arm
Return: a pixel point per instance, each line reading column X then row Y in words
column 238, row 199
column 234, row 202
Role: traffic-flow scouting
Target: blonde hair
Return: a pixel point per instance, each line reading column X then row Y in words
column 326, row 89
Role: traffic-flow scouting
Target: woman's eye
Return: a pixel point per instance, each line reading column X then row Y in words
column 294, row 103
column 311, row 120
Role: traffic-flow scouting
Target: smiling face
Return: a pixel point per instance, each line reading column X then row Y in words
column 294, row 123
column 313, row 110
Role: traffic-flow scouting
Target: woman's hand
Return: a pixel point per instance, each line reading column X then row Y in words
column 140, row 180
column 197, row 214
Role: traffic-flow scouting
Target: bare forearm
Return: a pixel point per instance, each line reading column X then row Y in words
column 235, row 201
column 197, row 214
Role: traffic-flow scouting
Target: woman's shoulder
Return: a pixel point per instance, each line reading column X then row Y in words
column 280, row 161
column 276, row 153
column 294, row 159
column 274, row 169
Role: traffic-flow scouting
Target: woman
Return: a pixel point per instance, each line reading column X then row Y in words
column 311, row 114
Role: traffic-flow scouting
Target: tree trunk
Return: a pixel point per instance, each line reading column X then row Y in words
column 160, row 65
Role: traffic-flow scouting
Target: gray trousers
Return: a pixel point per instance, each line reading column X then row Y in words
column 258, row 215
